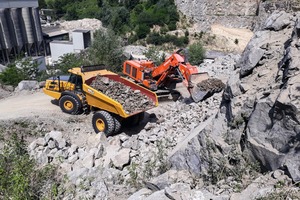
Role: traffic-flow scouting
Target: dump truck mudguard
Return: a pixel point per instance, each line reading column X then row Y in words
column 71, row 94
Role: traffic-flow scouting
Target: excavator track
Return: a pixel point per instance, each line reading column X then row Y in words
column 206, row 88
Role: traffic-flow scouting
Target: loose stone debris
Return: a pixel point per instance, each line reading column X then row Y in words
column 211, row 84
column 131, row 100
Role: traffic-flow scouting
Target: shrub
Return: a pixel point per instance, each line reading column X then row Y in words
column 106, row 49
column 196, row 53
column 236, row 41
column 68, row 61
column 18, row 71
column 155, row 38
column 142, row 31
column 18, row 177
column 153, row 54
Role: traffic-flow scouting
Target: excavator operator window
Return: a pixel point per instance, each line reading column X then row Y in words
column 128, row 69
column 134, row 71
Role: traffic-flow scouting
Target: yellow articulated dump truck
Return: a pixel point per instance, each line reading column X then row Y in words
column 112, row 98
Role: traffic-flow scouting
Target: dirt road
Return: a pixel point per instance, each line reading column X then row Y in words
column 231, row 39
column 27, row 104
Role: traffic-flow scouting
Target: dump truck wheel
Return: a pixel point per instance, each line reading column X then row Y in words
column 103, row 122
column 117, row 125
column 69, row 104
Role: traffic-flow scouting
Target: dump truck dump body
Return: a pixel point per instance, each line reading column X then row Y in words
column 77, row 94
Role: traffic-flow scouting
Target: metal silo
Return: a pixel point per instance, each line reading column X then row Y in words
column 4, row 34
column 37, row 28
column 16, row 28
column 28, row 28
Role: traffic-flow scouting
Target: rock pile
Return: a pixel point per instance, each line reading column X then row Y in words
column 83, row 166
column 131, row 100
column 211, row 84
column 89, row 24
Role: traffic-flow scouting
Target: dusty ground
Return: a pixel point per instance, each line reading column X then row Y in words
column 231, row 39
column 26, row 104
column 37, row 109
column 39, row 112
column 221, row 38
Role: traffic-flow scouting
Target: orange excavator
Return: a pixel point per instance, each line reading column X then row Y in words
column 174, row 74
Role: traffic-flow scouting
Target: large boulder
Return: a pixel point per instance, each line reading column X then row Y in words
column 277, row 29
column 273, row 128
column 28, row 85
column 278, row 21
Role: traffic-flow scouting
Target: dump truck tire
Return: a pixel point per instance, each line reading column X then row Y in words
column 117, row 125
column 103, row 122
column 69, row 104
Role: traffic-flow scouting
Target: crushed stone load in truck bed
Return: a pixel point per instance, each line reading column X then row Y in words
column 211, row 84
column 131, row 100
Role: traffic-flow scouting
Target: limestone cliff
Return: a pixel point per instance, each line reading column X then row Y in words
column 232, row 13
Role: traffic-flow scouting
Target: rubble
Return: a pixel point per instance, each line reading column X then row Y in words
column 211, row 84
column 89, row 24
column 131, row 100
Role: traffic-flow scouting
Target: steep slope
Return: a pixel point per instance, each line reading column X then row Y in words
column 259, row 115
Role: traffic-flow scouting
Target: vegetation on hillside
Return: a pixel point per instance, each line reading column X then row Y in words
column 19, row 70
column 127, row 16
column 19, row 176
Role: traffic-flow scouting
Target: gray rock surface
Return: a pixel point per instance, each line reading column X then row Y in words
column 238, row 14
column 28, row 85
column 271, row 129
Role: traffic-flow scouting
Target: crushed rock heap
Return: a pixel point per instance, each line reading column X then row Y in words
column 131, row 100
column 210, row 84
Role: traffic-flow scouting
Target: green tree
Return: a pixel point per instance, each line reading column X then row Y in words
column 106, row 49
column 196, row 53
column 42, row 4
column 154, row 54
column 142, row 31
column 130, row 4
column 119, row 19
column 68, row 61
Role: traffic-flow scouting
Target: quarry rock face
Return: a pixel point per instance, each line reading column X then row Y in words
column 272, row 133
column 237, row 14
column 261, row 99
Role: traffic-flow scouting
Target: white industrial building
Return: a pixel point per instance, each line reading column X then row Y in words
column 81, row 39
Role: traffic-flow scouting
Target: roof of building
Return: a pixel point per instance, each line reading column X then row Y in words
column 61, row 42
column 52, row 31
column 81, row 30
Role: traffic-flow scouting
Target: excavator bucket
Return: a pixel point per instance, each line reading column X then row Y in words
column 204, row 86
